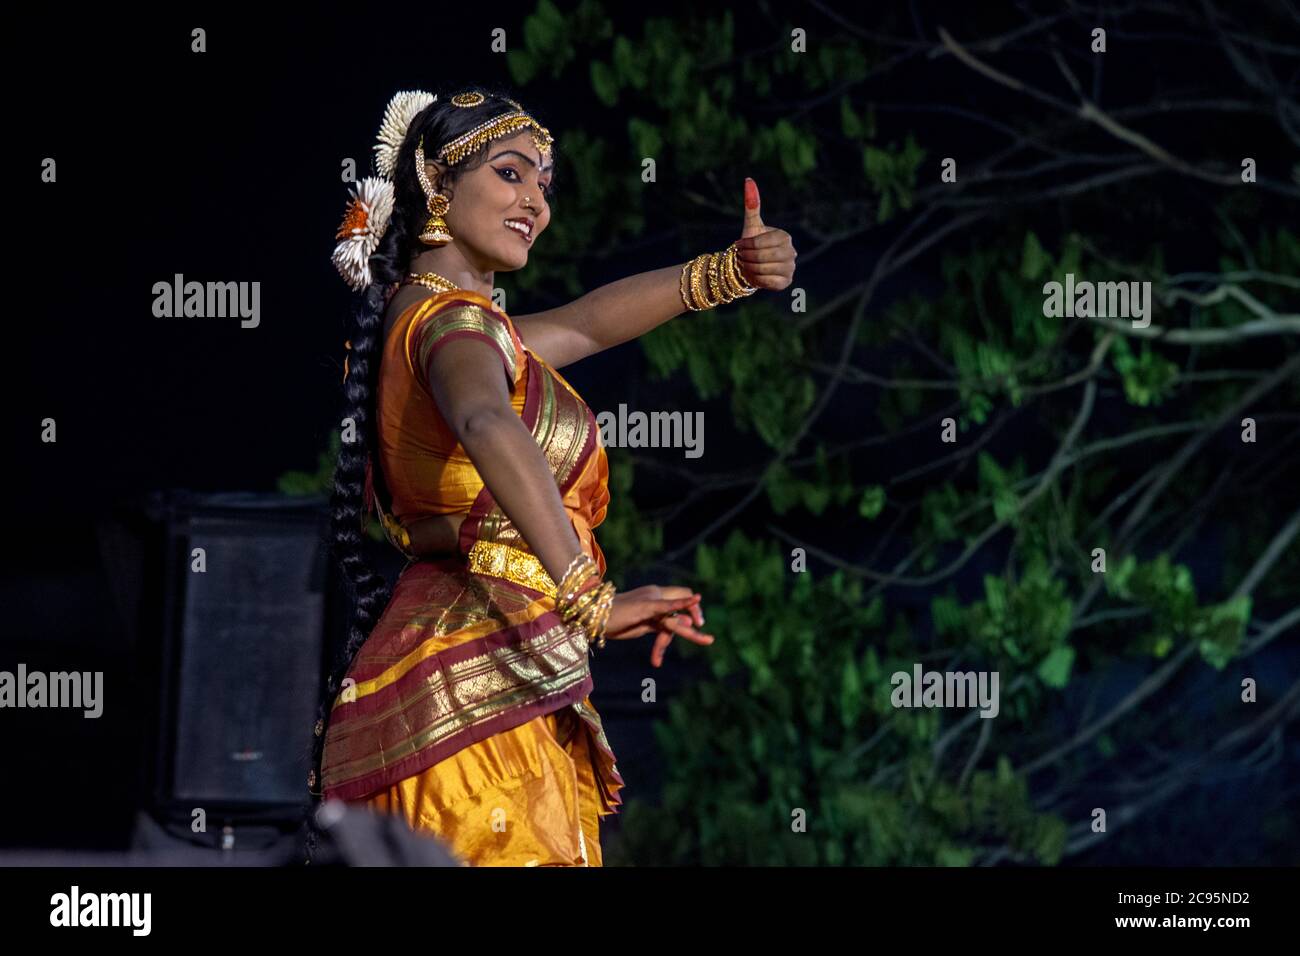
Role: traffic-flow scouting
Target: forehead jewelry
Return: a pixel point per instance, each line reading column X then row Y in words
column 474, row 98
column 503, row 125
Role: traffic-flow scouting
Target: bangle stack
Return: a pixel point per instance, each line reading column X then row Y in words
column 590, row 607
column 713, row 279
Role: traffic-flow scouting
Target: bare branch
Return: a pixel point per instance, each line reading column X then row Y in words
column 1280, row 626
column 1094, row 114
column 1285, row 325
column 1280, row 541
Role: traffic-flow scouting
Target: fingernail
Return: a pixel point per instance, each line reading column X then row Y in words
column 751, row 194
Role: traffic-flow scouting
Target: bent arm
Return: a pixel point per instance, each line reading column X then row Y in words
column 610, row 315
column 467, row 383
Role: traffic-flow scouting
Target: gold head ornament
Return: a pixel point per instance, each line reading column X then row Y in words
column 504, row 125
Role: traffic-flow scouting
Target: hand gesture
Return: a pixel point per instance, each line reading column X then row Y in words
column 766, row 255
column 665, row 611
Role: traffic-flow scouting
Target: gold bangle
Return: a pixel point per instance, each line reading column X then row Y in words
column 712, row 279
column 590, row 600
column 578, row 559
column 570, row 600
column 604, row 621
column 697, row 282
column 591, row 608
column 577, row 607
column 715, row 293
column 724, row 291
column 727, row 287
column 580, row 568
column 734, row 273
column 600, row 617
column 595, row 615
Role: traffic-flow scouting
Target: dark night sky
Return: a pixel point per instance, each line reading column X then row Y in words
column 221, row 166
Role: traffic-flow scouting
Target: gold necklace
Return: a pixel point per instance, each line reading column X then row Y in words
column 431, row 280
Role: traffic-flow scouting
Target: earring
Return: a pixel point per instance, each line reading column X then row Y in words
column 436, row 231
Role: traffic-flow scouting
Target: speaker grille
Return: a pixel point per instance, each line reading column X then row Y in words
column 251, row 631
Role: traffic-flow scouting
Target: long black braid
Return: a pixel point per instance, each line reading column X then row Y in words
column 438, row 123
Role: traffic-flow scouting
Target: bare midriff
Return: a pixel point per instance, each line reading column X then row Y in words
column 436, row 534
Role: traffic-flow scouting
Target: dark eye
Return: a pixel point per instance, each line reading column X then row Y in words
column 547, row 191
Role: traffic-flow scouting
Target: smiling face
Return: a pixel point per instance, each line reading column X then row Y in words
column 511, row 185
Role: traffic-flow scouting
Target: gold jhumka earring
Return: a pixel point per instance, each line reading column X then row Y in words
column 436, row 231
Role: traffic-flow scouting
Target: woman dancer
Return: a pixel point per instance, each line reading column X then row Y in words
column 465, row 706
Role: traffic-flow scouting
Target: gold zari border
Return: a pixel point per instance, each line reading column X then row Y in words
column 466, row 318
column 503, row 561
column 460, row 697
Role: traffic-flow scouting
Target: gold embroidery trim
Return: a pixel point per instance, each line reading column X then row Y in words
column 429, row 648
column 502, row 561
column 556, row 651
column 463, row 696
column 467, row 318
column 568, row 431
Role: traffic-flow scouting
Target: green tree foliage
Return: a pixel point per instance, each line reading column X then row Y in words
column 795, row 718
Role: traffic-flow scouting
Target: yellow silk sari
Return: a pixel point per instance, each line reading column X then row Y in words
column 467, row 710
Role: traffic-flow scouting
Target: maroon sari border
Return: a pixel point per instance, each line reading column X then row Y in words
column 533, row 396
column 347, row 712
column 434, row 753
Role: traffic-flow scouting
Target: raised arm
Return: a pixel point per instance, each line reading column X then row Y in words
column 628, row 308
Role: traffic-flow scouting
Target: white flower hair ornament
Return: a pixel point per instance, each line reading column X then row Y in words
column 402, row 108
column 371, row 207
column 364, row 223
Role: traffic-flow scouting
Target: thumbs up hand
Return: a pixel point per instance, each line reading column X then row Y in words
column 766, row 255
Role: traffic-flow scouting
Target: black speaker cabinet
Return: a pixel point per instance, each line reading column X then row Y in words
column 246, row 601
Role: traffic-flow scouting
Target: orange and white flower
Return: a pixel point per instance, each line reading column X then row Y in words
column 365, row 220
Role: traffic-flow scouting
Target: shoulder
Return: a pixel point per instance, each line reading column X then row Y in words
column 448, row 316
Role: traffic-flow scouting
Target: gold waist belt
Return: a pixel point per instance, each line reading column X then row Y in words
column 503, row 561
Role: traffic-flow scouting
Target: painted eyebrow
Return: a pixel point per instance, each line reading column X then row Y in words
column 527, row 159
